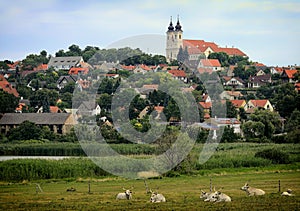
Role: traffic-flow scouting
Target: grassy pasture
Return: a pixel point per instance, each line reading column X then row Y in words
column 182, row 193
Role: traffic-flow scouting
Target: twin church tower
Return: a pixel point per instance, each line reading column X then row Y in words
column 174, row 40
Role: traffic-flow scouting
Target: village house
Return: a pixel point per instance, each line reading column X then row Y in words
column 234, row 82
column 89, row 108
column 223, row 122
column 178, row 75
column 60, row 123
column 64, row 80
column 141, row 68
column 64, row 62
column 259, row 80
column 239, row 104
column 7, row 87
column 214, row 64
column 288, row 76
column 231, row 95
column 258, row 104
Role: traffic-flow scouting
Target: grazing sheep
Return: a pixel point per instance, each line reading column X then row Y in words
column 252, row 191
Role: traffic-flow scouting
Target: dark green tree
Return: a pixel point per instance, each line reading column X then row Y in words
column 8, row 102
column 25, row 131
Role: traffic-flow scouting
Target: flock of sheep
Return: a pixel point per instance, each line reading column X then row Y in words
column 214, row 196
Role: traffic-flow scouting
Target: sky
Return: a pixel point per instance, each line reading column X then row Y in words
column 267, row 31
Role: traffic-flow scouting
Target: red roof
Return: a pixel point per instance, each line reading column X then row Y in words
column 259, row 103
column 205, row 105
column 177, row 73
column 76, row 70
column 20, row 107
column 41, row 67
column 200, row 46
column 259, row 64
column 231, row 51
column 205, row 70
column 290, row 73
column 159, row 109
column 144, row 67
column 210, row 62
column 54, row 109
column 129, row 67
column 7, row 87
column 237, row 103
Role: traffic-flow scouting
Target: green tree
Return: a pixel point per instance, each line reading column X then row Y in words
column 221, row 56
column 25, row 131
column 229, row 135
column 231, row 111
column 8, row 102
column 252, row 129
column 270, row 121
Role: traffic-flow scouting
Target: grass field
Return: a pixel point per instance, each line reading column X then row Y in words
column 182, row 193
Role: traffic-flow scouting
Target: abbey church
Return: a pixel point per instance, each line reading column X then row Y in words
column 195, row 48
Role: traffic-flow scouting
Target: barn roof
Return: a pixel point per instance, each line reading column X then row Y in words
column 37, row 118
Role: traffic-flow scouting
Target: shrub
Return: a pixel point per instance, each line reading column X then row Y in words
column 275, row 155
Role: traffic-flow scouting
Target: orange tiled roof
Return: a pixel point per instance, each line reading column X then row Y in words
column 54, row 109
column 259, row 103
column 205, row 105
column 129, row 67
column 205, row 70
column 210, row 62
column 237, row 103
column 290, row 73
column 159, row 109
column 76, row 70
column 6, row 86
column 41, row 67
column 231, row 51
column 177, row 73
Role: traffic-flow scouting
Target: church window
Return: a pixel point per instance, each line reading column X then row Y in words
column 180, row 36
column 175, row 36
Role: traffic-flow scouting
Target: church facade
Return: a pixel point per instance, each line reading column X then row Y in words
column 196, row 48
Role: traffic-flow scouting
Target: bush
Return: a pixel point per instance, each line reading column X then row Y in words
column 275, row 155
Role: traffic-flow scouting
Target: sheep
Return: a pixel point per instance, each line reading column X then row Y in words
column 126, row 195
column 287, row 193
column 220, row 197
column 157, row 197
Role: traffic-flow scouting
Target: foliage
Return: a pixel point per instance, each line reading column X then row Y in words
column 275, row 155
column 44, row 97
column 182, row 55
column 229, row 135
column 8, row 102
column 231, row 110
column 26, row 130
column 33, row 60
column 243, row 73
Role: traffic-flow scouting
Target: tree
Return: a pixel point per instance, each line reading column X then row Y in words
column 293, row 122
column 8, row 102
column 253, row 130
column 221, row 56
column 231, row 111
column 25, row 131
column 269, row 119
column 229, row 135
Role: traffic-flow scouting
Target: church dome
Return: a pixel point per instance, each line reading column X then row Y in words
column 178, row 26
column 171, row 27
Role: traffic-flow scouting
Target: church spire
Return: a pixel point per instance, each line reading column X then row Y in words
column 171, row 27
column 178, row 26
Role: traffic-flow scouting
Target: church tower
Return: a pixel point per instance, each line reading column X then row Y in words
column 174, row 40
